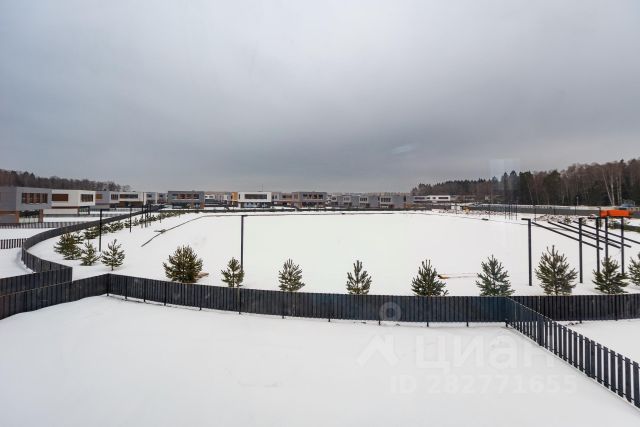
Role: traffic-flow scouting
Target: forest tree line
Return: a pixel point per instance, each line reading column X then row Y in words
column 613, row 183
column 28, row 179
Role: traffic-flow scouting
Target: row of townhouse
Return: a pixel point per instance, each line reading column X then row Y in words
column 246, row 199
column 390, row 200
column 34, row 203
column 368, row 200
column 17, row 202
column 303, row 199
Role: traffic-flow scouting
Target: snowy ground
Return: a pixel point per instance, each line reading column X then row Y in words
column 10, row 264
column 621, row 336
column 111, row 362
column 391, row 246
column 73, row 218
column 19, row 233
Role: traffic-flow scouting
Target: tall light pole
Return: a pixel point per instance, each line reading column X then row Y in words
column 242, row 242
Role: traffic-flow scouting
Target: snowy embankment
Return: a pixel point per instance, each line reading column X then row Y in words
column 620, row 336
column 111, row 362
column 390, row 245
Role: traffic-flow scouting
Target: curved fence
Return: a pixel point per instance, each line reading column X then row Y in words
column 47, row 273
column 301, row 304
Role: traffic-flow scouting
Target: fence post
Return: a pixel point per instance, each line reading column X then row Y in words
column 529, row 246
column 598, row 245
column 506, row 312
column 466, row 310
column 622, row 245
column 580, row 246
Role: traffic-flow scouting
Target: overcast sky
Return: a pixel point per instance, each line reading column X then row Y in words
column 354, row 95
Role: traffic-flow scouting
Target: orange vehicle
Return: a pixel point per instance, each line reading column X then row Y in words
column 618, row 213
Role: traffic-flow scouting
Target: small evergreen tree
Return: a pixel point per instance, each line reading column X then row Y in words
column 634, row 271
column 183, row 266
column 555, row 273
column 426, row 283
column 609, row 280
column 78, row 238
column 233, row 275
column 494, row 279
column 91, row 233
column 67, row 247
column 290, row 277
column 63, row 243
column 359, row 282
column 114, row 255
column 89, row 254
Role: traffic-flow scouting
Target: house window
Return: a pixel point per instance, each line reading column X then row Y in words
column 34, row 198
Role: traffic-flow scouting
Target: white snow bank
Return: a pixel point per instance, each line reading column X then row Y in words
column 103, row 362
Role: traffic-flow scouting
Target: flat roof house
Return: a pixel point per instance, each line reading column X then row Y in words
column 72, row 201
column 186, row 199
column 309, row 199
column 393, row 200
column 344, row 200
column 369, row 201
column 254, row 199
column 129, row 199
column 431, row 200
column 282, row 199
column 23, row 202
column 217, row 198
column 154, row 198
column 107, row 199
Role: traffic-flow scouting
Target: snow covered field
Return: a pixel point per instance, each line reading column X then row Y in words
column 391, row 246
column 621, row 336
column 103, row 361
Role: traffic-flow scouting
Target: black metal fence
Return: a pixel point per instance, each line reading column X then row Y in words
column 584, row 307
column 614, row 371
column 11, row 243
column 533, row 209
column 32, row 295
column 312, row 305
column 51, row 224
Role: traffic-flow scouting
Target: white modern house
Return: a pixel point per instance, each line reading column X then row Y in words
column 431, row 199
column 71, row 201
column 254, row 199
column 107, row 199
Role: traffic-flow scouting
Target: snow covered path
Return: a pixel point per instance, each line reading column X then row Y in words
column 103, row 362
column 390, row 245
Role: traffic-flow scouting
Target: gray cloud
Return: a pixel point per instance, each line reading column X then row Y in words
column 360, row 95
